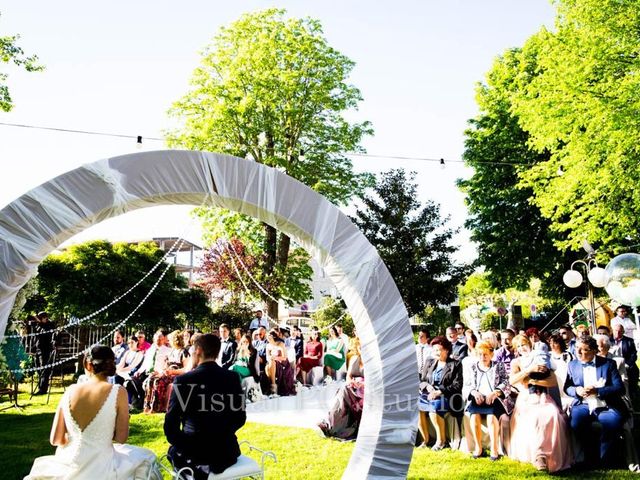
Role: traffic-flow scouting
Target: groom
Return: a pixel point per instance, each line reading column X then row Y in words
column 205, row 410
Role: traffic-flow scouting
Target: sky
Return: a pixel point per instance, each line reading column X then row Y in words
column 116, row 67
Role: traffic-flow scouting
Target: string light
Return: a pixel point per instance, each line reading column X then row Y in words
column 138, row 139
column 233, row 252
column 78, row 321
column 107, row 336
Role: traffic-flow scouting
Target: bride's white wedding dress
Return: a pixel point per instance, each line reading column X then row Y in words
column 90, row 454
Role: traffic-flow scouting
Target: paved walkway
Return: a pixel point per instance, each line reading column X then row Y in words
column 304, row 410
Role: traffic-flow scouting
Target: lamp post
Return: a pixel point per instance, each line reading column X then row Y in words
column 595, row 278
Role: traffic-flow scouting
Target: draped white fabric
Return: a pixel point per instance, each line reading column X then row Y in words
column 36, row 223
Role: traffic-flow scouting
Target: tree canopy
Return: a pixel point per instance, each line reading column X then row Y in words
column 271, row 89
column 11, row 53
column 582, row 107
column 88, row 276
column 563, row 109
column 413, row 240
column 514, row 240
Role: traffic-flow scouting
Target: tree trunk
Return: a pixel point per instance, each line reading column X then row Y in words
column 270, row 250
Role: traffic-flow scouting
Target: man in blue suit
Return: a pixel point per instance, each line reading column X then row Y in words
column 596, row 386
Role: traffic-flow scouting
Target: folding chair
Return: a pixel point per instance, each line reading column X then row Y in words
column 245, row 467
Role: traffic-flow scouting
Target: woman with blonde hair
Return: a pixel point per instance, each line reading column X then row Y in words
column 158, row 388
column 486, row 389
column 539, row 431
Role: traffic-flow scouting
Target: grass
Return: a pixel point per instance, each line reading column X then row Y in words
column 301, row 453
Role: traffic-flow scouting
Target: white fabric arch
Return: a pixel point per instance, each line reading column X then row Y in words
column 36, row 223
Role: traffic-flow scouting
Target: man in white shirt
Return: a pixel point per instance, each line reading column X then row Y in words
column 423, row 349
column 258, row 321
column 623, row 319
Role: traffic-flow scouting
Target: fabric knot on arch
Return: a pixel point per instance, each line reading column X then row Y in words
column 43, row 218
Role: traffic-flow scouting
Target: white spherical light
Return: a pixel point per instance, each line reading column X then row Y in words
column 597, row 277
column 572, row 279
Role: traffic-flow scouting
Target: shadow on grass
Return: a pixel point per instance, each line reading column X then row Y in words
column 23, row 438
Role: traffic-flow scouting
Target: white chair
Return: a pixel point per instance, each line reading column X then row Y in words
column 245, row 467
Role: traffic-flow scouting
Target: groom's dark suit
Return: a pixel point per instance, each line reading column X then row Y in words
column 205, row 410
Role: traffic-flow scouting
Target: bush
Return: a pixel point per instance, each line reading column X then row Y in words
column 234, row 314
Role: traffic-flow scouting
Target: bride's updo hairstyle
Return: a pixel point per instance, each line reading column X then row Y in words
column 102, row 359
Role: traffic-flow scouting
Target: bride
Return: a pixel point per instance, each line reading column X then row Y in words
column 90, row 417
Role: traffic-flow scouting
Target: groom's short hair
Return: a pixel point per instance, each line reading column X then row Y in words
column 209, row 343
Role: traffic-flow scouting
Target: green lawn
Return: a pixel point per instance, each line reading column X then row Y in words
column 301, row 453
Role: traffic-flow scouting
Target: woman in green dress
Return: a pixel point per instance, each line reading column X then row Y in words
column 334, row 355
column 243, row 357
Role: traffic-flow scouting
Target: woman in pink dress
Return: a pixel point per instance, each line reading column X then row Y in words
column 539, row 432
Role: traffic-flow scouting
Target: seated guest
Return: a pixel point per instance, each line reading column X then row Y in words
column 119, row 345
column 298, row 342
column 623, row 346
column 237, row 335
column 486, row 391
column 491, row 337
column 204, row 439
column 596, row 386
column 90, row 417
column 278, row 369
column 506, row 353
column 539, row 431
column 537, row 344
column 559, row 359
column 622, row 318
column 423, row 348
column 440, row 381
column 459, row 350
column 312, row 355
column 343, row 418
column 569, row 339
column 603, row 330
column 245, row 362
column 334, row 356
column 604, row 345
column 130, row 362
column 158, row 383
column 228, row 347
column 143, row 345
column 471, row 342
column 155, row 361
column 186, row 338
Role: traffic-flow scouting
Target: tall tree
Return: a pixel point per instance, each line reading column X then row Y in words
column 413, row 241
column 582, row 107
column 272, row 89
column 514, row 240
column 10, row 52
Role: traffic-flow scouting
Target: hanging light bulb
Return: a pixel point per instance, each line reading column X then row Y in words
column 139, row 142
column 442, row 163
column 301, row 157
column 560, row 171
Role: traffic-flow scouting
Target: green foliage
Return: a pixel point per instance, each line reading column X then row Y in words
column 581, row 106
column 10, row 52
column 514, row 240
column 332, row 314
column 88, row 276
column 271, row 89
column 436, row 319
column 413, row 241
column 234, row 314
